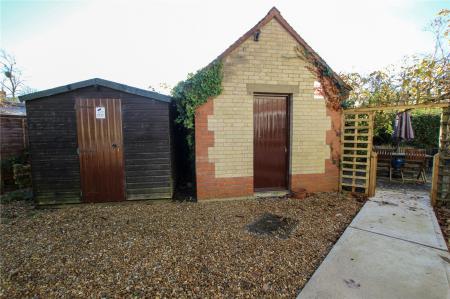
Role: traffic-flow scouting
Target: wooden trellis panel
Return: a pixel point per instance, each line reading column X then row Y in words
column 356, row 149
column 443, row 176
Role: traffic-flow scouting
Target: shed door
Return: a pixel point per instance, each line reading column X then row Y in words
column 100, row 145
column 270, row 120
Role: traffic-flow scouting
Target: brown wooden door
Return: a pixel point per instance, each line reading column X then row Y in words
column 100, row 145
column 270, row 121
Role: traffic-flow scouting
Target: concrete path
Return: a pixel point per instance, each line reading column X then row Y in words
column 392, row 249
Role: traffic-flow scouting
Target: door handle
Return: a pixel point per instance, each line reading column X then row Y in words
column 114, row 145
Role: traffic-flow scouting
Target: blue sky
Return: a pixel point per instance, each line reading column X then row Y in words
column 145, row 43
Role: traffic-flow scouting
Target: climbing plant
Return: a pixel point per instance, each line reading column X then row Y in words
column 332, row 90
column 193, row 92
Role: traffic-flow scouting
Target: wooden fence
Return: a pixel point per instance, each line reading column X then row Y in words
column 356, row 150
column 442, row 176
column 13, row 135
column 13, row 142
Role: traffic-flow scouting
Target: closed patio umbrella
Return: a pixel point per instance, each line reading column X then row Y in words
column 403, row 129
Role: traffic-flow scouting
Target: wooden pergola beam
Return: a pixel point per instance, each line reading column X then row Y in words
column 399, row 107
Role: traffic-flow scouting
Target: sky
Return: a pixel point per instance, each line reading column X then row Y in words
column 145, row 43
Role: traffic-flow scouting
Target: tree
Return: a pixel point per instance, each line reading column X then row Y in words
column 12, row 81
column 419, row 79
column 440, row 27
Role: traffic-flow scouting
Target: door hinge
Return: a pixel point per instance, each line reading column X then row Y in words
column 78, row 151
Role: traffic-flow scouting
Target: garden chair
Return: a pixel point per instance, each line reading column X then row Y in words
column 384, row 161
column 415, row 163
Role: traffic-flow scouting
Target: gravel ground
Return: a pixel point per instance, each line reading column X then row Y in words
column 168, row 249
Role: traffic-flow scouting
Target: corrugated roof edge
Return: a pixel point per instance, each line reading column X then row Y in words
column 92, row 82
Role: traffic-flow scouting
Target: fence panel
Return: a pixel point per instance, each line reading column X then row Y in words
column 443, row 177
column 13, row 141
column 356, row 149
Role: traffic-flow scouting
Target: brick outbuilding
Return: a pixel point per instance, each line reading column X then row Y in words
column 272, row 127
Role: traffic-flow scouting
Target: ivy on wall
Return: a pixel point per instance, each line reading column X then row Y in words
column 333, row 94
column 195, row 91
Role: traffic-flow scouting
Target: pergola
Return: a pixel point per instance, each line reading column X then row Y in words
column 359, row 161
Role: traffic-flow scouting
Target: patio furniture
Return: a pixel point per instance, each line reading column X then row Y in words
column 415, row 163
column 385, row 160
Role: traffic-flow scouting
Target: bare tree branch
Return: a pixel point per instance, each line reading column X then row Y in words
column 12, row 81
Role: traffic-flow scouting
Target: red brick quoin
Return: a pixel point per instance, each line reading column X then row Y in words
column 208, row 186
column 328, row 181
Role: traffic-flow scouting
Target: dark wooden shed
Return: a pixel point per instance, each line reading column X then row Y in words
column 99, row 141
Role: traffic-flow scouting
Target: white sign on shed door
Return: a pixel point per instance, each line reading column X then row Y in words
column 100, row 112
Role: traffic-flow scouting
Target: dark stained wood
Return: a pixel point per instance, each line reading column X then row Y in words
column 100, row 149
column 147, row 151
column 53, row 149
column 13, row 143
column 13, row 135
column 270, row 121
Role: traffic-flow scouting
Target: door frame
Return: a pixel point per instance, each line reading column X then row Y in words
column 288, row 97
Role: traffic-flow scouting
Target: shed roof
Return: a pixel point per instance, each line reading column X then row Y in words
column 98, row 82
column 274, row 13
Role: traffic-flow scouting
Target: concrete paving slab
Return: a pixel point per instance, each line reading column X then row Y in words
column 368, row 265
column 401, row 215
column 392, row 249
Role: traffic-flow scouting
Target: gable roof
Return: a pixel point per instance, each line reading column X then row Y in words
column 274, row 13
column 98, row 82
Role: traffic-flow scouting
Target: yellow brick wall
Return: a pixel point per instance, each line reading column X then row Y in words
column 271, row 60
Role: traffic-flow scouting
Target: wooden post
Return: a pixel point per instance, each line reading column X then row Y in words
column 24, row 133
column 434, row 180
column 373, row 174
column 341, row 166
column 373, row 158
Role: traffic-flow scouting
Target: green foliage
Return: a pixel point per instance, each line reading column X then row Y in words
column 425, row 123
column 195, row 91
column 7, row 163
column 7, row 168
column 426, row 127
column 383, row 127
column 418, row 79
column 22, row 175
column 16, row 195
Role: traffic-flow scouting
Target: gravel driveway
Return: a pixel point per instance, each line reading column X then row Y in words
column 146, row 249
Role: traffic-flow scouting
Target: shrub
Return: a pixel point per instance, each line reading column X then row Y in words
column 22, row 175
column 425, row 123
